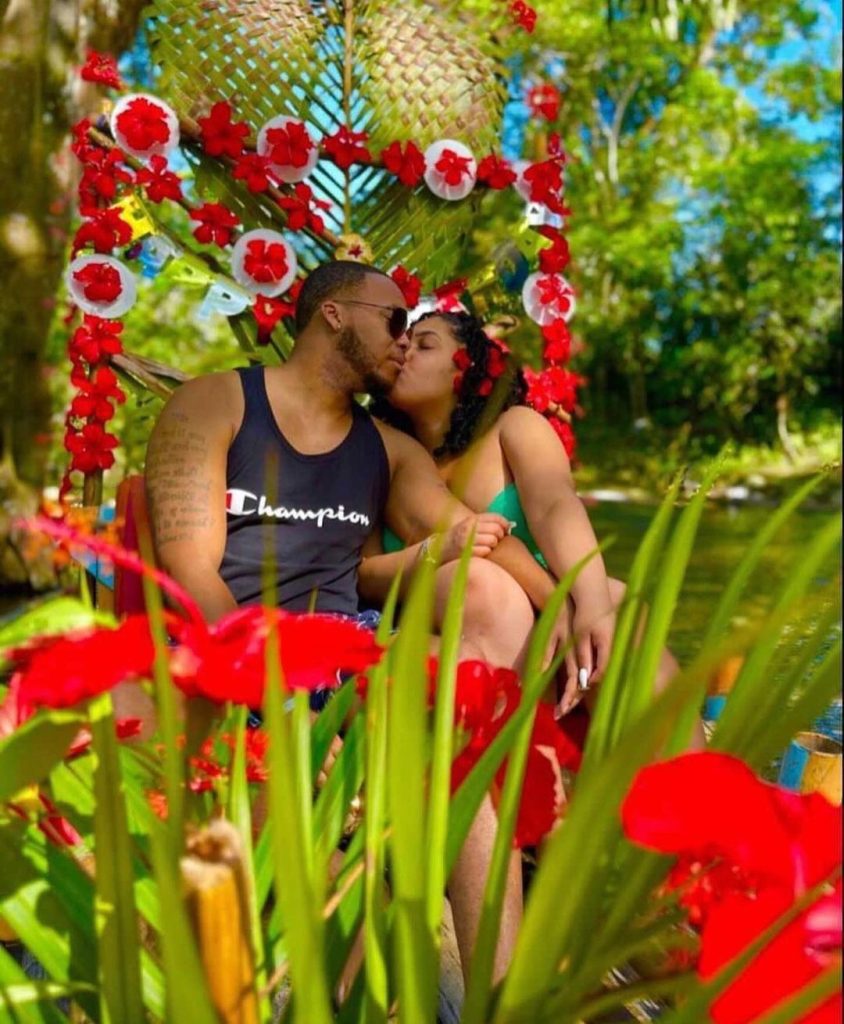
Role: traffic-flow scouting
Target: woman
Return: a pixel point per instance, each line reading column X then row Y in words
column 512, row 463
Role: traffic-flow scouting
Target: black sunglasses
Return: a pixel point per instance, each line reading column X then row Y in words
column 397, row 323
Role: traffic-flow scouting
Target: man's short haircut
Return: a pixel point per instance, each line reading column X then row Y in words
column 327, row 280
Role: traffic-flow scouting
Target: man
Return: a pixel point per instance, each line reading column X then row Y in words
column 282, row 466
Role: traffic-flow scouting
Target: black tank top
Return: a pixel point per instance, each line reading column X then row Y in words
column 310, row 513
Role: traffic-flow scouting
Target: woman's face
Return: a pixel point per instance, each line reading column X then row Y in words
column 427, row 376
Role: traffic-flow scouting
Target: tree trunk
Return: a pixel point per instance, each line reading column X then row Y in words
column 41, row 44
column 783, row 407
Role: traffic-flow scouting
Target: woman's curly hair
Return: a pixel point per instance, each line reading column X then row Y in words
column 474, row 413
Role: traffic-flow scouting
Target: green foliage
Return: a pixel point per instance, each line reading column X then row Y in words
column 304, row 913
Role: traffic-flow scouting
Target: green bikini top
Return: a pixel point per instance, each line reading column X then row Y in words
column 506, row 503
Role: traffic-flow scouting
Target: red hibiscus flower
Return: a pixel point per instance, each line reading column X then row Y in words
column 565, row 433
column 220, row 135
column 300, row 208
column 96, row 395
column 268, row 311
column 495, row 172
column 556, row 385
column 407, row 164
column 100, row 282
column 555, row 291
column 289, row 146
column 544, row 101
column 91, row 448
column 452, row 167
column 81, row 146
column 227, row 661
column 557, row 256
column 462, row 360
column 771, row 846
column 101, row 68
column 546, row 184
column 216, row 223
column 105, row 231
column 58, row 672
column 346, row 147
column 254, row 169
column 448, row 294
column 523, row 15
column 94, row 339
column 265, row 261
column 159, row 182
column 410, row 284
column 557, row 337
column 101, row 178
column 143, row 124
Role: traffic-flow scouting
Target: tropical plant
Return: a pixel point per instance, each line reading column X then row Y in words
column 93, row 879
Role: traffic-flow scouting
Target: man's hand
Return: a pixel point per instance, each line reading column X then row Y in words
column 489, row 528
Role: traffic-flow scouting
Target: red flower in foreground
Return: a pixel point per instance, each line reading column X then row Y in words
column 58, row 672
column 143, row 124
column 220, row 135
column 771, row 846
column 300, row 208
column 100, row 282
column 95, row 339
column 557, row 337
column 91, row 447
column 410, row 284
column 544, row 101
column 216, row 223
column 453, row 167
column 101, row 68
column 495, row 172
column 159, row 182
column 407, row 164
column 265, row 261
column 254, row 169
column 289, row 146
column 346, row 147
column 227, row 660
column 485, row 699
column 104, row 231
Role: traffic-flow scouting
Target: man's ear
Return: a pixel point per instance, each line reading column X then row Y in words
column 331, row 313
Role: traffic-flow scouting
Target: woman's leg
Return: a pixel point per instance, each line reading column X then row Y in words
column 497, row 621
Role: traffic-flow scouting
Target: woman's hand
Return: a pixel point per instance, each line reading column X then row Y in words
column 489, row 529
column 593, row 628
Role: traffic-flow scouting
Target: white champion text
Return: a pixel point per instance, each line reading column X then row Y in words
column 245, row 503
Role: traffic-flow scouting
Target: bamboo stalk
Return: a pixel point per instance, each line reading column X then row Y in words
column 215, row 897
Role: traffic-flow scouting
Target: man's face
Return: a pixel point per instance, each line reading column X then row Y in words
column 364, row 341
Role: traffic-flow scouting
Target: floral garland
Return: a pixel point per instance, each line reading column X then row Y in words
column 145, row 129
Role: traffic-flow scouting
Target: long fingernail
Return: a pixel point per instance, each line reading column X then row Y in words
column 583, row 678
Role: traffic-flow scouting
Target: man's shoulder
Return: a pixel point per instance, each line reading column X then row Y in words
column 211, row 394
column 399, row 445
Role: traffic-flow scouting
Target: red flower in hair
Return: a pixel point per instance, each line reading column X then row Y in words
column 410, row 284
column 452, row 167
column 300, row 209
column 100, row 282
column 345, row 147
column 289, row 146
column 228, row 660
column 159, row 182
column 220, row 135
column 143, row 124
column 462, row 360
column 557, row 342
column 58, row 672
column 101, row 68
column 101, row 178
column 495, row 172
column 91, row 448
column 408, row 164
column 546, row 184
column 216, row 223
column 265, row 261
column 96, row 395
column 268, row 311
column 94, row 339
column 544, row 101
column 254, row 169
column 557, row 256
column 103, row 231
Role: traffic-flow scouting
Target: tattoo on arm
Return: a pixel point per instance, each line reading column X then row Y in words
column 178, row 484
